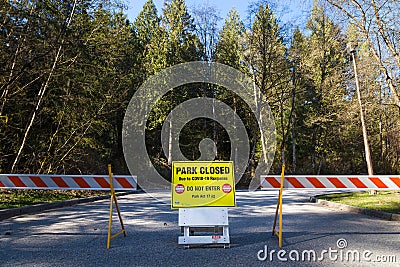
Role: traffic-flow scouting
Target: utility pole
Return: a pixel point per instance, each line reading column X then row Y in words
column 352, row 49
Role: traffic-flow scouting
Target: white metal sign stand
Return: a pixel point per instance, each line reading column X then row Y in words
column 203, row 191
column 213, row 221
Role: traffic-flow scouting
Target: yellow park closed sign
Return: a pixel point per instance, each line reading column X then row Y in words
column 203, row 184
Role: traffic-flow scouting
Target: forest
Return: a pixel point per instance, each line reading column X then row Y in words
column 69, row 69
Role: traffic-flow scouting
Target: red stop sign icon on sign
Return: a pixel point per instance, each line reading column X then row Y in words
column 179, row 188
column 226, row 188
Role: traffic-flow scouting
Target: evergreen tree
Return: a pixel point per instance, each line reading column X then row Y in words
column 151, row 41
column 266, row 58
column 228, row 50
column 69, row 69
column 183, row 44
column 299, row 84
column 173, row 42
column 325, row 66
column 67, row 83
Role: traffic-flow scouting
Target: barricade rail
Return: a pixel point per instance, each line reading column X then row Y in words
column 388, row 182
column 67, row 182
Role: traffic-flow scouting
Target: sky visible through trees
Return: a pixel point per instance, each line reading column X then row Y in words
column 289, row 11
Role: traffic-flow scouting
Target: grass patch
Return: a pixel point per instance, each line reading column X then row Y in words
column 388, row 201
column 10, row 198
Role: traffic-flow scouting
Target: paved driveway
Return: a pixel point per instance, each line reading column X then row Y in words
column 76, row 236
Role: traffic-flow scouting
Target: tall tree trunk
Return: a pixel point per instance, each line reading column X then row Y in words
column 364, row 128
column 170, row 142
column 314, row 145
column 381, row 127
column 235, row 131
column 293, row 144
column 7, row 85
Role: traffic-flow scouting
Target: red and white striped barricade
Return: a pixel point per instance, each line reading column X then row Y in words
column 67, row 182
column 388, row 182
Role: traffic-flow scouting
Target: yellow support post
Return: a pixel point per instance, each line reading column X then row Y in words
column 113, row 199
column 279, row 209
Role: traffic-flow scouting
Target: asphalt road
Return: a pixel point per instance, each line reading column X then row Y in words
column 76, row 236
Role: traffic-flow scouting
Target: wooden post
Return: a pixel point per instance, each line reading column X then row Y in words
column 112, row 200
column 279, row 210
